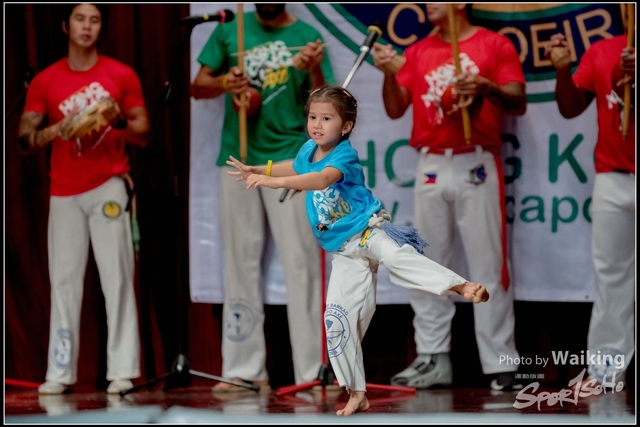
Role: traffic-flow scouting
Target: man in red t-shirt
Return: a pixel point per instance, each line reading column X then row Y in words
column 602, row 73
column 459, row 184
column 88, row 196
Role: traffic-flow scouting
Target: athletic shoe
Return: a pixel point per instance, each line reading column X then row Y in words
column 426, row 371
column 505, row 381
column 51, row 387
column 116, row 386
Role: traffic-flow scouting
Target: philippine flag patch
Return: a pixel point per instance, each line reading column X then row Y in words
column 430, row 178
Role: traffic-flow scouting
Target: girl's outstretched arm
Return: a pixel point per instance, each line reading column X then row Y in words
column 283, row 169
column 244, row 171
column 306, row 181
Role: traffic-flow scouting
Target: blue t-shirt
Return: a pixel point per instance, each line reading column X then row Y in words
column 344, row 208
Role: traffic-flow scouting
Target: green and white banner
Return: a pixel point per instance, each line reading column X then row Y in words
column 548, row 160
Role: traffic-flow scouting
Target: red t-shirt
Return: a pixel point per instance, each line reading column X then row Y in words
column 80, row 166
column 428, row 71
column 594, row 74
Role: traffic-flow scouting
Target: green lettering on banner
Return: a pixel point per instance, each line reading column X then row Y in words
column 555, row 159
column 370, row 164
column 513, row 161
column 555, row 212
column 388, row 164
column 585, row 210
column 394, row 209
column 538, row 210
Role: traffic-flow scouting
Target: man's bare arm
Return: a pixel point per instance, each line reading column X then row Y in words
column 31, row 138
column 207, row 85
column 137, row 128
column 510, row 97
column 395, row 97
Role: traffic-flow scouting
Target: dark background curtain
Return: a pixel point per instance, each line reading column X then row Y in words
column 149, row 38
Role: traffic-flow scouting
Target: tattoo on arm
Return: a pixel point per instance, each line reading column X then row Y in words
column 30, row 136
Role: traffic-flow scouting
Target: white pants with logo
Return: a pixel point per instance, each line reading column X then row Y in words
column 244, row 220
column 612, row 326
column 453, row 203
column 351, row 296
column 97, row 217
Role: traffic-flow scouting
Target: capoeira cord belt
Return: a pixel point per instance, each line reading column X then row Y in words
column 400, row 233
column 135, row 230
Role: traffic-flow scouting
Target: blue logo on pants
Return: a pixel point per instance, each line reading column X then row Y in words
column 61, row 349
column 239, row 321
column 337, row 327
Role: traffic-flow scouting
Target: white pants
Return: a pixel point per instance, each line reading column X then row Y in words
column 97, row 217
column 455, row 201
column 244, row 219
column 612, row 327
column 351, row 296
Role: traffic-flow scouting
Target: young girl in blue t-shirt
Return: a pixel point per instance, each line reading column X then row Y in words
column 348, row 220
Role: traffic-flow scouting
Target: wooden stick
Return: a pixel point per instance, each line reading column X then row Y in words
column 284, row 48
column 627, row 86
column 453, row 33
column 242, row 112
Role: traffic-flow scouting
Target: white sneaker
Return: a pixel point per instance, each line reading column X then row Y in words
column 116, row 386
column 506, row 381
column 426, row 371
column 51, row 387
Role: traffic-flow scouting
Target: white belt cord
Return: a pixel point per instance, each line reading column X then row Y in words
column 379, row 217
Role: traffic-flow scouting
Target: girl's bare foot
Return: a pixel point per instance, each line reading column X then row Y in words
column 358, row 402
column 474, row 292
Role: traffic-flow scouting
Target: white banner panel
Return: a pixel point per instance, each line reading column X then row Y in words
column 548, row 160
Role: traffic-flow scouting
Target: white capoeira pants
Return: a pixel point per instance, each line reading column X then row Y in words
column 97, row 217
column 351, row 296
column 465, row 195
column 244, row 217
column 612, row 327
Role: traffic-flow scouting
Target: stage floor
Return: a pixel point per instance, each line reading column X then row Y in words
column 197, row 404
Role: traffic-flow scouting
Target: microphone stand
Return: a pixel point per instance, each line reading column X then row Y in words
column 180, row 373
column 364, row 51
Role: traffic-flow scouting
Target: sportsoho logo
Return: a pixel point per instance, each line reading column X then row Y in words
column 591, row 387
column 606, row 368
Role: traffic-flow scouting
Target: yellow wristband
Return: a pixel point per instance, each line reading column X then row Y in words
column 269, row 164
column 225, row 83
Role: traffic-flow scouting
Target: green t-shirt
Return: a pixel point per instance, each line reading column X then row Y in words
column 276, row 132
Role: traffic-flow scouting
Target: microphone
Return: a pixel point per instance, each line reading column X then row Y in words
column 223, row 15
column 373, row 33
